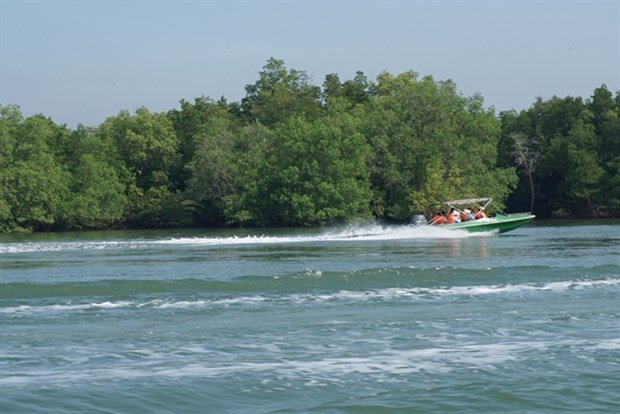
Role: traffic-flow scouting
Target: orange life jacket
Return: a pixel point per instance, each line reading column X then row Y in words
column 481, row 214
column 438, row 219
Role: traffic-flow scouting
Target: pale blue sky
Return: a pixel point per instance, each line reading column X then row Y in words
column 80, row 61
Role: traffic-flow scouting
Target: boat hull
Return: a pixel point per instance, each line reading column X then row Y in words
column 500, row 223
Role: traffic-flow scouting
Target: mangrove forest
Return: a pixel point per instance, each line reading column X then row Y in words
column 291, row 153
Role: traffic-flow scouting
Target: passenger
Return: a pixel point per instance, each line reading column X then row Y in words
column 454, row 216
column 481, row 214
column 439, row 218
column 467, row 215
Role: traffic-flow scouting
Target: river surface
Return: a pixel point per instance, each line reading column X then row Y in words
column 357, row 319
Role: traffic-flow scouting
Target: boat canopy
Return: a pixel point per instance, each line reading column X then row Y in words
column 468, row 201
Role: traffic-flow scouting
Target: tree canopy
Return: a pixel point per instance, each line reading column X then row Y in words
column 295, row 154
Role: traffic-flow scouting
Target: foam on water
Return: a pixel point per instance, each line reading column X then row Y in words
column 349, row 233
column 389, row 365
column 354, row 233
column 414, row 293
column 392, row 363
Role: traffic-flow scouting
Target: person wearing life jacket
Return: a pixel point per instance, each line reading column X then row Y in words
column 480, row 213
column 453, row 217
column 438, row 219
column 467, row 215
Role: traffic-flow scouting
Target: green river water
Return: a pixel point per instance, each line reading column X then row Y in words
column 357, row 319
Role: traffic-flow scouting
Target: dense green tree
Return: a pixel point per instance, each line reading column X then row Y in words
column 188, row 123
column 606, row 120
column 430, row 144
column 576, row 143
column 35, row 185
column 356, row 91
column 98, row 182
column 149, row 148
column 248, row 201
column 279, row 94
column 576, row 163
column 611, row 189
column 547, row 123
column 10, row 119
column 214, row 168
column 392, row 129
column 526, row 156
column 146, row 142
column 518, row 146
column 332, row 88
column 317, row 172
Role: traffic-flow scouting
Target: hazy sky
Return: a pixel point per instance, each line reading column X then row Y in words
column 82, row 61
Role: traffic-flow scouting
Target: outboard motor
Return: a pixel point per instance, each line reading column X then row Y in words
column 417, row 219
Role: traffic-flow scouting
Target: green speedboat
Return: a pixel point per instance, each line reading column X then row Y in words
column 499, row 223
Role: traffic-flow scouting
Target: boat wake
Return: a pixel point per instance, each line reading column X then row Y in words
column 352, row 233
